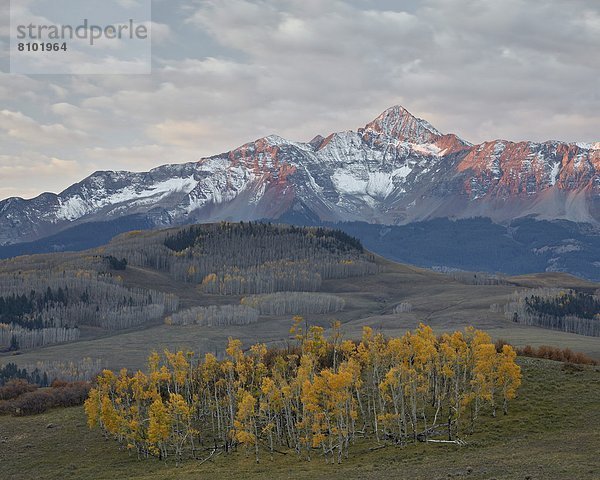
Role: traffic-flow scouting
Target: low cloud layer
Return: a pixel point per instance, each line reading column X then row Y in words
column 229, row 71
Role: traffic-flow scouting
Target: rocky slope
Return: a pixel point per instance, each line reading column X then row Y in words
column 395, row 170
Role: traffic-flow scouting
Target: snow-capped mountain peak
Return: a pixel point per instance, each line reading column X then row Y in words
column 396, row 169
column 397, row 122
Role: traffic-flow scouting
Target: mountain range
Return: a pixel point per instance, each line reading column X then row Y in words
column 396, row 170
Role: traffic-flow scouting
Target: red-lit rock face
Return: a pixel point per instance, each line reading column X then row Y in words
column 398, row 123
column 450, row 143
column 258, row 156
column 506, row 169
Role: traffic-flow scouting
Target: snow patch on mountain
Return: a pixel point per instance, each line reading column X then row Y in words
column 380, row 185
column 554, row 173
column 377, row 185
column 426, row 148
column 313, row 184
column 77, row 206
column 72, row 209
column 402, row 172
column 348, row 184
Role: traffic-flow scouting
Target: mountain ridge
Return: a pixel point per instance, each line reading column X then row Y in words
column 395, row 170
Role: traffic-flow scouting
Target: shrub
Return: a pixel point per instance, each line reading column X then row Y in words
column 32, row 402
column 15, row 388
column 554, row 353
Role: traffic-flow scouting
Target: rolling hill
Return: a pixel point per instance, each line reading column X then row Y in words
column 117, row 297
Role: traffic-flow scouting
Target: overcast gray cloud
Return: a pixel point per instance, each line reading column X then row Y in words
column 229, row 71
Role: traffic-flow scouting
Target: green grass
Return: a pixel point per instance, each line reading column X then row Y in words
column 552, row 432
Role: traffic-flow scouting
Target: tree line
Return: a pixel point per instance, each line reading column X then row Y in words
column 43, row 307
column 11, row 371
column 313, row 398
column 556, row 309
column 286, row 303
column 214, row 315
column 566, row 303
column 43, row 373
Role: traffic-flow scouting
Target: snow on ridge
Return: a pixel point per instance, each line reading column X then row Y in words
column 222, row 184
column 588, row 145
column 554, row 173
column 428, row 126
column 76, row 206
column 158, row 190
column 426, row 148
column 398, row 112
column 275, row 140
column 72, row 209
column 499, row 147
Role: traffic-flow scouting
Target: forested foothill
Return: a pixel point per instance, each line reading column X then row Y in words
column 247, row 258
column 46, row 299
column 526, row 245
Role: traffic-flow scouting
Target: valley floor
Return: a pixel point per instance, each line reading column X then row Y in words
column 552, row 432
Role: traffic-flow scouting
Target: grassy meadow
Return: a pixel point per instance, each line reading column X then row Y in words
column 552, row 431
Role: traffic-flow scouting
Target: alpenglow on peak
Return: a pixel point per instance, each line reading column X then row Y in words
column 397, row 122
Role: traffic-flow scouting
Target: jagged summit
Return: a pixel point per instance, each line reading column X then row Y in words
column 397, row 122
column 397, row 169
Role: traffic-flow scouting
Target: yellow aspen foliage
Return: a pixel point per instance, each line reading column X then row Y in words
column 92, row 407
column 234, row 349
column 159, row 426
column 245, row 427
column 508, row 376
column 296, row 328
column 178, row 408
column 179, row 368
column 311, row 397
column 109, row 416
column 208, row 279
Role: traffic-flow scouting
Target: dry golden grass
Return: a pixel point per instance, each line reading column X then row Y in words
column 437, row 300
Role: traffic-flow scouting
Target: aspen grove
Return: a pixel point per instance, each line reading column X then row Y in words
column 314, row 398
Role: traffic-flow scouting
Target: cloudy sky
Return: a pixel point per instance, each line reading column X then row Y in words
column 229, row 71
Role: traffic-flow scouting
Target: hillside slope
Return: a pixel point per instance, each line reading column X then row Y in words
column 193, row 287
